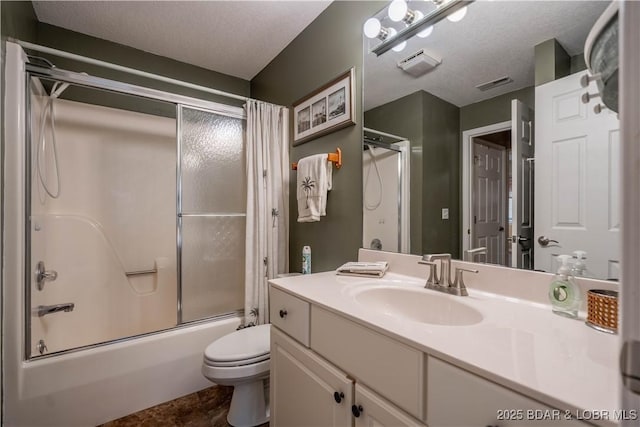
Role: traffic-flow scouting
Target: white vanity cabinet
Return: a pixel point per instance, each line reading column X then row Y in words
column 328, row 370
column 457, row 398
column 374, row 411
column 305, row 390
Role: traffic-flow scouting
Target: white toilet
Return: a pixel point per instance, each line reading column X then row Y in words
column 241, row 359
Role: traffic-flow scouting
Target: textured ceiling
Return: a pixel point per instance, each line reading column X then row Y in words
column 233, row 37
column 495, row 39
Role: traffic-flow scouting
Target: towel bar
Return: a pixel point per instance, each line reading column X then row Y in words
column 332, row 157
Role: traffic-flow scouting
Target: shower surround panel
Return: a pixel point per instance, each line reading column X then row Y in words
column 115, row 214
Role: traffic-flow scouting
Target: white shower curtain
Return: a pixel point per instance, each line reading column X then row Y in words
column 267, row 244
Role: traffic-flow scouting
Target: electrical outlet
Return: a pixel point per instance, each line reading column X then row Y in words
column 445, row 213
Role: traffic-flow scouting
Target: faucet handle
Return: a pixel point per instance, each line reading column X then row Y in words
column 432, row 280
column 458, row 284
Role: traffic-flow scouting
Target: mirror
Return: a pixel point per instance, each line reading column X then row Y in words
column 481, row 142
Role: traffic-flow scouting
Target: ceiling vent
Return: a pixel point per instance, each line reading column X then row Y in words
column 419, row 63
column 494, row 83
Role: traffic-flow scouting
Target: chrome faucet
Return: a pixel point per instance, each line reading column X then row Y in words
column 442, row 282
column 470, row 254
column 43, row 310
column 445, row 267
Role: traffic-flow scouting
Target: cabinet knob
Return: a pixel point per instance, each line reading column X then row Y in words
column 283, row 313
column 356, row 410
column 338, row 396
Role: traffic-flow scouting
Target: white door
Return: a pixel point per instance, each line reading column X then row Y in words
column 489, row 200
column 522, row 149
column 577, row 178
column 303, row 387
column 371, row 410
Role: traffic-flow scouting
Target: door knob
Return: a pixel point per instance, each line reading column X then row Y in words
column 283, row 314
column 338, row 396
column 544, row 241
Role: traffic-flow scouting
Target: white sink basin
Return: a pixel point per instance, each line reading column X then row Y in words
column 419, row 305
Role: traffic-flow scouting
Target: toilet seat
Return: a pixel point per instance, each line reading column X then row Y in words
column 243, row 347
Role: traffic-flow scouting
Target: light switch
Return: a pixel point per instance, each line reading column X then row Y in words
column 445, row 213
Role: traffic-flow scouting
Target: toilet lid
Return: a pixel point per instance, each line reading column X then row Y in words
column 247, row 343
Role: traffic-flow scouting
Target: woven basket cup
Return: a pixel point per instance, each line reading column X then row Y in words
column 602, row 310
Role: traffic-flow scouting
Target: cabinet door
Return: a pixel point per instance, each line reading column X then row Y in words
column 303, row 387
column 457, row 398
column 372, row 410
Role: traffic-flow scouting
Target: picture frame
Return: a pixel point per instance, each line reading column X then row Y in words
column 325, row 110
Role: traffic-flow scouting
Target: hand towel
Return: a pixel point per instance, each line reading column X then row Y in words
column 363, row 269
column 313, row 182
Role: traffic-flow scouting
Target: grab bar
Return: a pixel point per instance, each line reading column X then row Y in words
column 140, row 272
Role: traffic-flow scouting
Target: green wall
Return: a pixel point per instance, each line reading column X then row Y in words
column 404, row 117
column 18, row 20
column 82, row 44
column 329, row 46
column 441, row 176
column 494, row 110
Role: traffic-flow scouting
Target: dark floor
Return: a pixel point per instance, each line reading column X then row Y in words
column 206, row 408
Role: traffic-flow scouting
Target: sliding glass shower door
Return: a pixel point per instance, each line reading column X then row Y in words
column 211, row 213
column 135, row 211
column 101, row 199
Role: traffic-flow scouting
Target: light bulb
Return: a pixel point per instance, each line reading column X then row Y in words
column 426, row 32
column 417, row 16
column 398, row 10
column 399, row 47
column 457, row 15
column 372, row 28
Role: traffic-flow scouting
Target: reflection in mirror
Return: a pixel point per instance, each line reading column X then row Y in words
column 510, row 163
column 385, row 160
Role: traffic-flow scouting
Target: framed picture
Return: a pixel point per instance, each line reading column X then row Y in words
column 326, row 110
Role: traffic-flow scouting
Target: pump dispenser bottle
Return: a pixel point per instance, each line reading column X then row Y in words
column 564, row 293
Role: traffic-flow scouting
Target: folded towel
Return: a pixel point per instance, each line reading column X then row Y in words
column 314, row 180
column 363, row 269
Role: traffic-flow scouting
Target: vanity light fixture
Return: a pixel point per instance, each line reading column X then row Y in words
column 399, row 11
column 426, row 32
column 374, row 29
column 458, row 15
column 399, row 47
column 418, row 26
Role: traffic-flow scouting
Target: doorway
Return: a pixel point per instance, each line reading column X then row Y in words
column 491, row 199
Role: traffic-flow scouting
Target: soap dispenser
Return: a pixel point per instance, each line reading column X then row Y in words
column 564, row 293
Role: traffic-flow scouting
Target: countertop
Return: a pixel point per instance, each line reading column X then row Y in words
column 519, row 343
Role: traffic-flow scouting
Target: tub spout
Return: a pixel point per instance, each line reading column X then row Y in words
column 43, row 310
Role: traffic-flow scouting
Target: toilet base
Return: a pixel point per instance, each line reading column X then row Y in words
column 249, row 405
